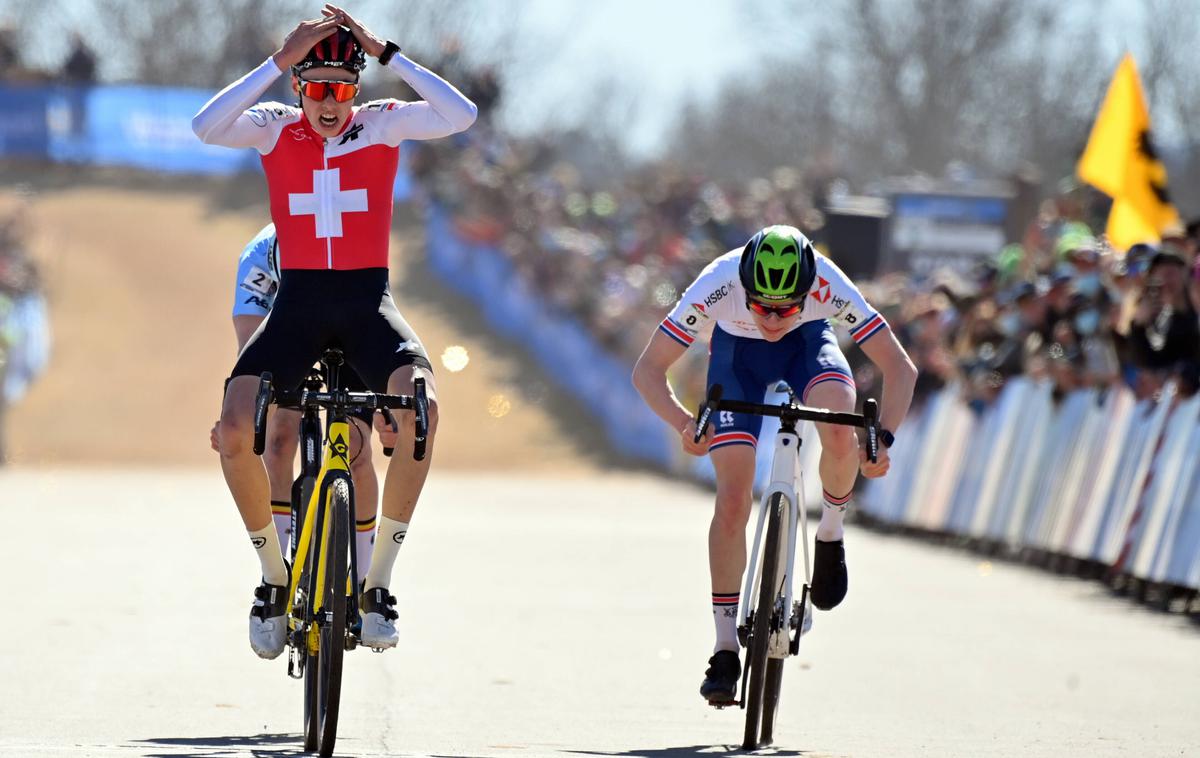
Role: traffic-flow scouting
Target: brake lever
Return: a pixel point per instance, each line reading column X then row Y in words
column 421, row 409
column 261, row 403
column 390, row 420
column 707, row 410
column 871, row 424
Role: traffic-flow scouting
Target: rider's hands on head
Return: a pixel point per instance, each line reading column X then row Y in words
column 371, row 45
column 302, row 38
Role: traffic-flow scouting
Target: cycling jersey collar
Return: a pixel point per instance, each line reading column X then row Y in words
column 313, row 130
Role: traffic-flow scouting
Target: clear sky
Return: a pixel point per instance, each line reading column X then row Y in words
column 649, row 54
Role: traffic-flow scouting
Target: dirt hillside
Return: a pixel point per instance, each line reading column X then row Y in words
column 140, row 284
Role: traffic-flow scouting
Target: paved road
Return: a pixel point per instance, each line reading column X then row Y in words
column 552, row 617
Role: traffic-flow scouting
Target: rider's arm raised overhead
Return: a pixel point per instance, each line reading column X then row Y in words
column 443, row 112
column 228, row 118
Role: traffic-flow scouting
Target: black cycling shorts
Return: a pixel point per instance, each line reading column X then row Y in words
column 315, row 310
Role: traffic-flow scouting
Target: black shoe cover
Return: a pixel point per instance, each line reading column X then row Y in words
column 720, row 680
column 829, row 582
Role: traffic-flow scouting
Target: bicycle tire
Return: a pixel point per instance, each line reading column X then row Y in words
column 333, row 629
column 761, row 630
column 770, row 705
column 302, row 494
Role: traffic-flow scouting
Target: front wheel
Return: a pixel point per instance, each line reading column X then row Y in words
column 333, row 623
column 764, row 679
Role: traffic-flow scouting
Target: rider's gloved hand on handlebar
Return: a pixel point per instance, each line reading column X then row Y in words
column 690, row 446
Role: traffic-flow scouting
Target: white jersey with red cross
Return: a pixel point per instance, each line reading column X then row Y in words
column 331, row 199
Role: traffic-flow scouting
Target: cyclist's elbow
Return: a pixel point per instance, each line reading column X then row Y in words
column 645, row 375
column 463, row 120
column 201, row 128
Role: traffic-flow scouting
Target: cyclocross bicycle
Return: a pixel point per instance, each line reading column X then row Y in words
column 325, row 593
column 770, row 623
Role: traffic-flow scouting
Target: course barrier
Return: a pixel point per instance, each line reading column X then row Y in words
column 563, row 347
column 572, row 357
column 1098, row 480
column 138, row 126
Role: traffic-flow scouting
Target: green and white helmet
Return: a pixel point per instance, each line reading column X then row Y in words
column 778, row 265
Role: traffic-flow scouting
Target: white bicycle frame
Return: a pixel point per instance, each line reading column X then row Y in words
column 785, row 478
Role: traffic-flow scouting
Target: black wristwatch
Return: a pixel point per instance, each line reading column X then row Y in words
column 389, row 49
column 887, row 438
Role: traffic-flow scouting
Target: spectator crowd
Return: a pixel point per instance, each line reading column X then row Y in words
column 1060, row 304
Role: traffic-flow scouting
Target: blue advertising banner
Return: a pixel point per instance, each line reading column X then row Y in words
column 23, row 129
column 140, row 126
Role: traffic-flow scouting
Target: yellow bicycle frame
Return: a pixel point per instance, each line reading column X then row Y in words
column 337, row 458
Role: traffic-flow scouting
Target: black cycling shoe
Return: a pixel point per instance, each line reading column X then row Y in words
column 720, row 680
column 829, row 580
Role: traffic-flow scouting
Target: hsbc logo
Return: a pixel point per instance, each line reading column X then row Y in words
column 717, row 295
column 821, row 292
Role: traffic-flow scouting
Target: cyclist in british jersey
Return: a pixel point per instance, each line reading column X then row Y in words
column 330, row 167
column 769, row 308
column 255, row 286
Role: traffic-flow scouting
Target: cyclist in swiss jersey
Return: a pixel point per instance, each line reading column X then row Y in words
column 769, row 308
column 330, row 167
column 255, row 286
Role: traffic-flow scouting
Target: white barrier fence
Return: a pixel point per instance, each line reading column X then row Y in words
column 1099, row 477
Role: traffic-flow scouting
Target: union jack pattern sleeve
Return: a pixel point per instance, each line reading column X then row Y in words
column 676, row 332
column 864, row 332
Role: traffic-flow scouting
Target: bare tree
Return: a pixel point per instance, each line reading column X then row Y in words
column 1172, row 78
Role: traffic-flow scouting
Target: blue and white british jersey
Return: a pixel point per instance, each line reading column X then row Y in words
column 717, row 297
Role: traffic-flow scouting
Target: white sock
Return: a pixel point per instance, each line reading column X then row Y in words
column 387, row 545
column 266, row 546
column 364, row 544
column 281, row 514
column 832, row 515
column 725, row 618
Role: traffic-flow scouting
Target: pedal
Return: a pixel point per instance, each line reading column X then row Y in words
column 726, row 704
column 795, row 619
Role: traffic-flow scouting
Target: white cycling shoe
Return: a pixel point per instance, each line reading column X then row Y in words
column 379, row 619
column 268, row 620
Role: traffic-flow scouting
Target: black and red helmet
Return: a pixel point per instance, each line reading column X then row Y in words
column 338, row 50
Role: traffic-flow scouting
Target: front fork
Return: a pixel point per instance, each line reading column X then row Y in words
column 304, row 628
column 785, row 475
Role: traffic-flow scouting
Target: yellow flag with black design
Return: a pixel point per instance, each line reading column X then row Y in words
column 1120, row 160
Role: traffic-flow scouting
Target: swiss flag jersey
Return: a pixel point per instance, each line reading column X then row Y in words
column 331, row 200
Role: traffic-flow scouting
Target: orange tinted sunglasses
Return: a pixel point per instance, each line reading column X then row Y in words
column 782, row 311
column 316, row 89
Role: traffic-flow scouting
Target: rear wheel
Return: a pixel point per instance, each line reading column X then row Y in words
column 333, row 623
column 760, row 675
